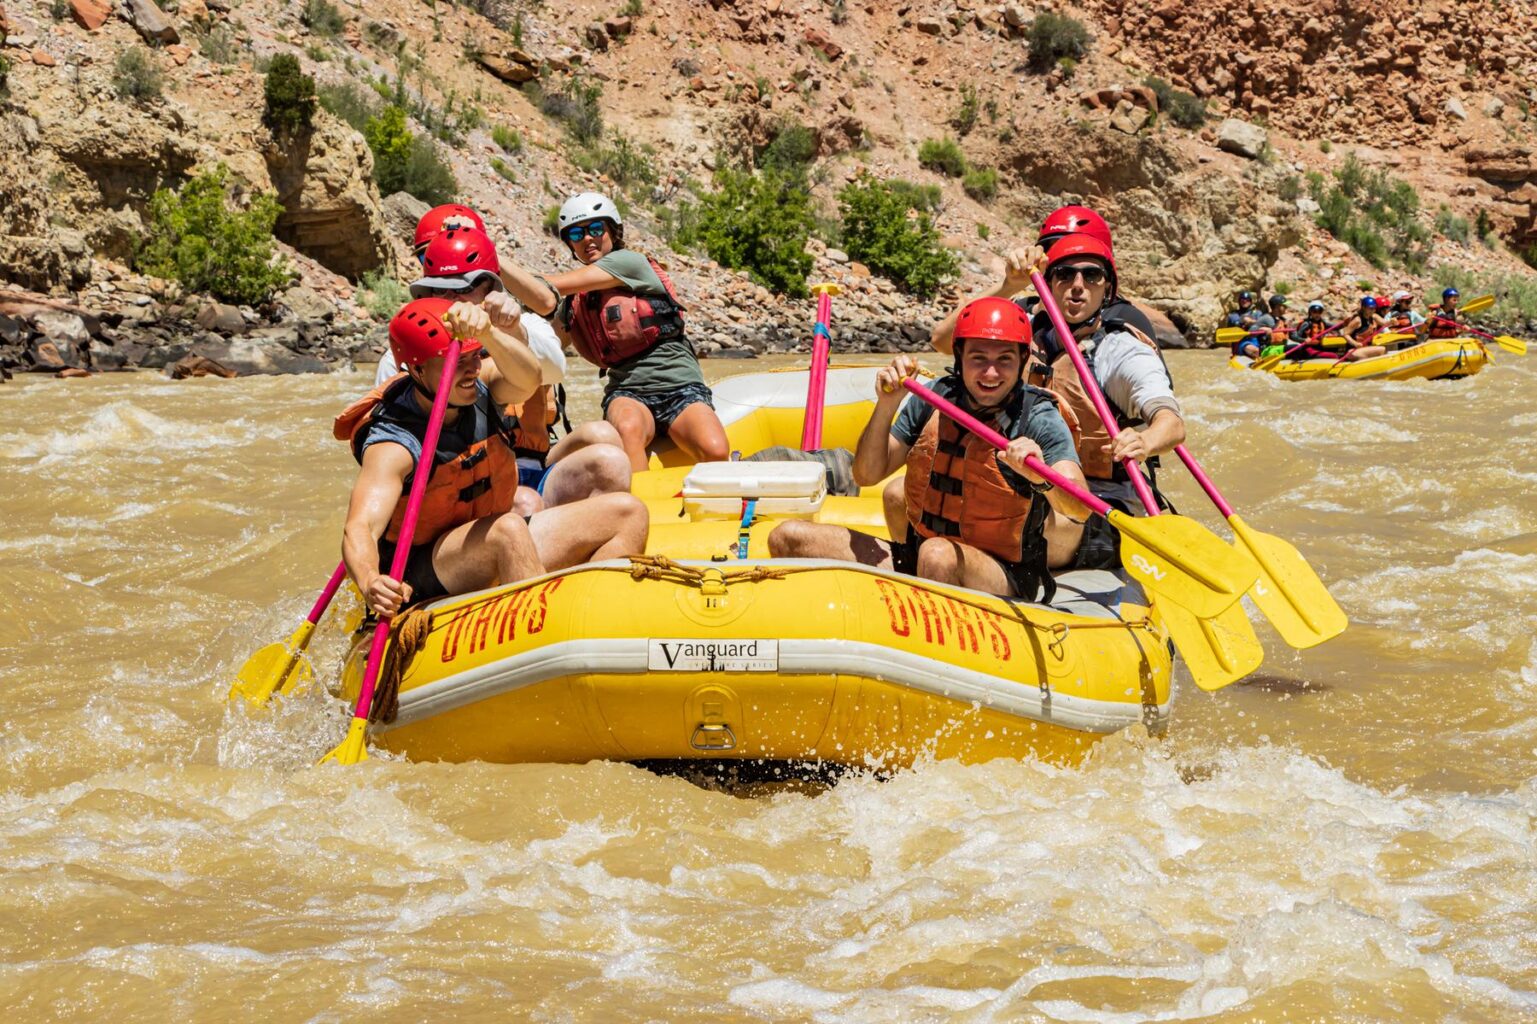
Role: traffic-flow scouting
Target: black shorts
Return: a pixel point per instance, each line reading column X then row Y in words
column 419, row 573
column 665, row 408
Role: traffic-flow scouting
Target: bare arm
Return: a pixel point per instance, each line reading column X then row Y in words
column 514, row 373
column 535, row 291
column 374, row 497
column 878, row 453
column 1017, row 265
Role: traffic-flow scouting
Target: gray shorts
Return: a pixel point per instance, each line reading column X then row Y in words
column 666, row 407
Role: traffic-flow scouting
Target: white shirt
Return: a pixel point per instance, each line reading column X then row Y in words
column 1132, row 376
column 541, row 340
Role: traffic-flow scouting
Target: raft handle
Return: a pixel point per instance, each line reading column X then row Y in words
column 712, row 736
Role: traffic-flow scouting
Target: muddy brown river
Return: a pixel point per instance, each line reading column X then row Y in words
column 1349, row 836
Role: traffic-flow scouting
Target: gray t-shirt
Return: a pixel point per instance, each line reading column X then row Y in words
column 1043, row 424
column 667, row 366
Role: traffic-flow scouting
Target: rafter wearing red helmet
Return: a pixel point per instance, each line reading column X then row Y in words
column 974, row 517
column 1080, row 270
column 1017, row 262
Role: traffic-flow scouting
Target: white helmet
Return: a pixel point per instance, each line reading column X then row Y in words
column 588, row 206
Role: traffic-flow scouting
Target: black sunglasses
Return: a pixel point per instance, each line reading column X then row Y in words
column 1093, row 274
column 576, row 232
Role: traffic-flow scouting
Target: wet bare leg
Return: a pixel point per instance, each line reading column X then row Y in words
column 948, row 561
column 698, row 432
column 527, row 501
column 587, row 472
column 894, row 505
column 796, row 538
column 636, row 427
column 485, row 553
column 590, row 530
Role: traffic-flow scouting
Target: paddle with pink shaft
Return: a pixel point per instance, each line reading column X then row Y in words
column 355, row 747
column 821, row 349
column 1313, row 339
column 1169, row 555
column 1505, row 341
column 1219, row 649
column 273, row 668
column 1288, row 591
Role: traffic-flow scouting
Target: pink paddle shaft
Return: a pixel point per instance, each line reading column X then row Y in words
column 1000, row 442
column 816, row 390
column 1091, row 387
column 329, row 592
column 1320, row 335
column 1205, row 481
column 408, row 525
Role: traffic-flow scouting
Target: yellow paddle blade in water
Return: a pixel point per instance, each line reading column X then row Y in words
column 275, row 667
column 354, row 748
column 1288, row 591
column 1217, row 651
column 1514, row 346
column 1181, row 560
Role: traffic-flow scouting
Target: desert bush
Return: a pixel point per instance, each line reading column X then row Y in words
column 758, row 223
column 508, row 140
column 322, row 18
column 198, row 237
column 1183, row 108
column 878, row 232
column 1053, row 37
column 407, row 162
column 942, row 155
column 290, row 96
column 575, row 105
column 135, row 76
column 381, row 294
column 352, row 104
column 981, row 183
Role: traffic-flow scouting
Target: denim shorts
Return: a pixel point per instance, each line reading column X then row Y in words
column 667, row 407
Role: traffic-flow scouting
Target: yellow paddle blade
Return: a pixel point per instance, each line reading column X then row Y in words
column 352, row 749
column 1184, row 562
column 1390, row 339
column 825, row 287
column 1512, row 345
column 1288, row 591
column 273, row 668
column 1229, row 335
column 1477, row 305
column 1217, row 651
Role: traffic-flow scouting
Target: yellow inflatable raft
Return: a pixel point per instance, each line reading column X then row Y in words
column 1441, row 358
column 692, row 652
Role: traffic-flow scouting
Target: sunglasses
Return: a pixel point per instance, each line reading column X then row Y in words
column 576, row 232
column 1092, row 273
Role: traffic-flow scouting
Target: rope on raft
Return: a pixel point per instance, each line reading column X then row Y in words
column 408, row 635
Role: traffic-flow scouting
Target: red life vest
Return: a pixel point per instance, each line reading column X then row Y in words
column 475, row 480
column 1061, row 379
column 615, row 324
column 1440, row 328
column 955, row 487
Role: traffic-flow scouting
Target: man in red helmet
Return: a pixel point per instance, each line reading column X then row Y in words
column 975, row 517
column 441, row 218
column 467, row 536
column 1017, row 264
column 1130, row 372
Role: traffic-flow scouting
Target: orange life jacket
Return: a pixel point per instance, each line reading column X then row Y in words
column 615, row 324
column 1441, row 329
column 474, row 474
column 1400, row 322
column 535, row 415
column 956, row 488
column 1060, row 377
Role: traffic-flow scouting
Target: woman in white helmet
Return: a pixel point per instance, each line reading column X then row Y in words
column 619, row 311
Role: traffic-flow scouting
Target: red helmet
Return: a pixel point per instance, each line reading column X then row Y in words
column 417, row 332
column 1074, row 246
column 993, row 319
column 1074, row 220
column 457, row 258
column 432, row 221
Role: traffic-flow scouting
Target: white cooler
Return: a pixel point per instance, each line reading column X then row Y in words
column 787, row 490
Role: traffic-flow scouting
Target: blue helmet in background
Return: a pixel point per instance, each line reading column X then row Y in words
column 1368, row 302
column 1450, row 293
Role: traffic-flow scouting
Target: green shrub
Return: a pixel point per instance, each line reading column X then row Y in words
column 5, row 72
column 983, row 231
column 678, row 224
column 965, row 117
column 759, row 223
column 877, row 231
column 507, row 139
column 406, row 162
column 317, row 53
column 1325, row 146
column 942, row 155
column 1376, row 215
column 1289, row 188
column 923, row 198
column 551, row 219
column 981, row 183
column 792, row 149
column 198, row 238
column 322, row 18
column 290, row 96
column 218, row 44
column 381, row 294
column 625, row 162
column 575, row 106
column 352, row 104
column 503, row 171
column 135, row 76
column 1484, row 226
column 1453, row 226
column 632, row 9
column 1182, row 108
column 58, row 10
column 1055, row 36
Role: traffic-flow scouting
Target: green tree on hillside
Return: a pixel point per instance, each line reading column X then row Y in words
column 198, row 237
column 759, row 223
column 878, row 231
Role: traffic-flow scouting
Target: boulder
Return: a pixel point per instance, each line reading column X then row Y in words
column 1016, row 17
column 306, row 305
column 1454, row 107
column 89, row 14
column 506, row 67
column 1164, row 332
column 929, row 26
column 197, row 366
column 401, row 212
column 1129, row 118
column 618, row 28
column 216, row 316
column 597, row 38
column 330, row 204
column 1241, row 137
column 151, row 22
column 64, row 329
column 261, row 353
